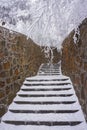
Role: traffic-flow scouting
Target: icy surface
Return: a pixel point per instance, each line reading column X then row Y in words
column 47, row 22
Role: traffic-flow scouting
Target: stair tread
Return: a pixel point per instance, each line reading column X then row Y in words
column 73, row 106
column 47, row 92
column 78, row 116
column 17, row 98
column 46, row 123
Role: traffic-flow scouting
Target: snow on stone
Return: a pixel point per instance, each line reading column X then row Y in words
column 14, row 106
column 45, row 92
column 46, row 86
column 78, row 116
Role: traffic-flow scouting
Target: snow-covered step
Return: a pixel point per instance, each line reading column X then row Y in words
column 45, row 102
column 43, row 111
column 48, row 71
column 73, row 106
column 10, row 116
column 70, row 91
column 46, row 123
column 18, row 98
column 44, row 82
column 47, row 77
column 26, row 126
column 48, row 74
column 46, row 87
column 48, row 80
column 42, row 95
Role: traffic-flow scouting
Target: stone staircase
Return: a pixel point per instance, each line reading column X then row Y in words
column 46, row 101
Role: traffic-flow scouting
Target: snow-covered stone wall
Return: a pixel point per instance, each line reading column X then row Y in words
column 19, row 58
column 74, row 63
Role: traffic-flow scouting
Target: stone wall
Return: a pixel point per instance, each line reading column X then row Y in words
column 19, row 58
column 74, row 63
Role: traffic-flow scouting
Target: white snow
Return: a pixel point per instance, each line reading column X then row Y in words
column 46, row 77
column 22, row 127
column 45, row 99
column 78, row 116
column 74, row 106
column 46, row 86
column 45, row 92
column 48, row 82
column 47, row 22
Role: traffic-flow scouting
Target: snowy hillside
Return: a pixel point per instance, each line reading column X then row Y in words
column 45, row 21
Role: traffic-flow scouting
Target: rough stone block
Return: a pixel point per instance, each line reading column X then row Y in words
column 8, row 80
column 1, row 67
column 85, row 66
column 7, row 90
column 6, row 65
column 2, row 84
column 16, row 72
column 77, row 80
column 86, row 86
column 2, row 94
column 83, row 78
column 2, row 74
column 1, row 55
column 2, row 45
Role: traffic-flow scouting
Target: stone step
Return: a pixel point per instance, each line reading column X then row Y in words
column 43, row 111
column 47, row 88
column 39, row 89
column 43, row 117
column 47, row 77
column 46, row 84
column 49, row 70
column 37, row 107
column 46, row 123
column 48, row 74
column 17, row 98
column 44, row 103
column 42, row 95
column 41, row 80
column 53, row 73
column 46, row 92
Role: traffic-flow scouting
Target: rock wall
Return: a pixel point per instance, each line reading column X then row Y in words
column 19, row 58
column 74, row 63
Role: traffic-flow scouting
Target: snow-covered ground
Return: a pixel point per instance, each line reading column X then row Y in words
column 43, row 107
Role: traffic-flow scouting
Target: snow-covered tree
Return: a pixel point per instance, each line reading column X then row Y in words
column 47, row 22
